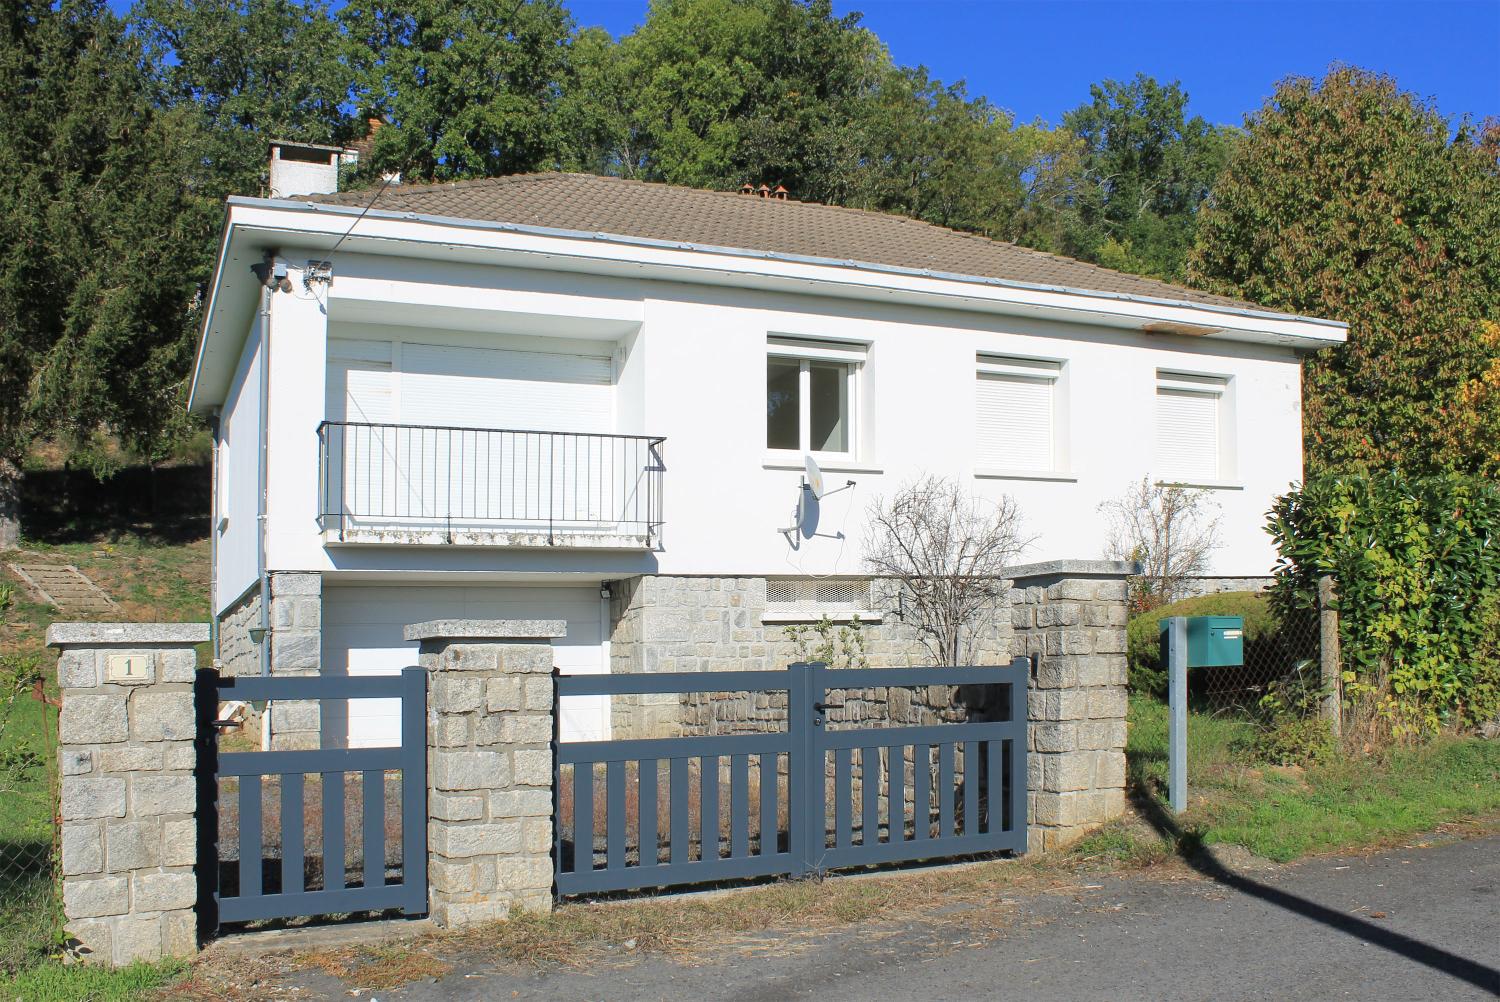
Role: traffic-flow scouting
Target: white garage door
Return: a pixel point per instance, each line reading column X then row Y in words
column 362, row 635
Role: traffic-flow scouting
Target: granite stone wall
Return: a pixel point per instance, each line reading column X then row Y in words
column 296, row 640
column 682, row 624
column 128, row 793
column 1070, row 618
column 491, row 704
column 295, row 637
column 238, row 653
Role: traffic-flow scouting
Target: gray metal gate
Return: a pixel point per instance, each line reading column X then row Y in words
column 271, row 873
column 796, row 803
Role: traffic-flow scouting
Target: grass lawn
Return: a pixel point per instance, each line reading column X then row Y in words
column 152, row 582
column 1282, row 813
column 77, row 983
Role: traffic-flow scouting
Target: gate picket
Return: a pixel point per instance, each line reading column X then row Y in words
column 992, row 755
column 251, row 899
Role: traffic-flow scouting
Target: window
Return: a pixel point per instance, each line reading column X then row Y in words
column 221, row 492
column 811, row 391
column 1016, row 414
column 1192, row 425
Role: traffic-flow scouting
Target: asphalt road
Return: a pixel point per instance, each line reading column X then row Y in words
column 1418, row 923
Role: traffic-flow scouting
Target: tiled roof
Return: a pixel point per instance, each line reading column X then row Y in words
column 594, row 204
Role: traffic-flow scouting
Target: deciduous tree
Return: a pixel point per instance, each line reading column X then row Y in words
column 1351, row 199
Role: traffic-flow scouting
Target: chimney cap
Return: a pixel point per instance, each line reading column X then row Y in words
column 747, row 188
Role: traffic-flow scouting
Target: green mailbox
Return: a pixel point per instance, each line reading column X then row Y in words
column 1212, row 641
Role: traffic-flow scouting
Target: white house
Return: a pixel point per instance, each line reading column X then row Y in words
column 570, row 397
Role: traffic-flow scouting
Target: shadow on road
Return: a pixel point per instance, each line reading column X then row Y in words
column 1190, row 848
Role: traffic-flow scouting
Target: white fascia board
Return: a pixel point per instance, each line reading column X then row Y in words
column 320, row 226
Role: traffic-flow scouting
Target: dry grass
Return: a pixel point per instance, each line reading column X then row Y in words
column 785, row 915
column 379, row 967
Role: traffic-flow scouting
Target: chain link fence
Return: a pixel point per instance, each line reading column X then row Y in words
column 30, row 909
column 1288, row 654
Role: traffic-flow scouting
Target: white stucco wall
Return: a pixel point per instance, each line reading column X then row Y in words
column 691, row 367
column 235, row 493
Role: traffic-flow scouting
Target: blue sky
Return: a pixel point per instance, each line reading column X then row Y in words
column 1037, row 59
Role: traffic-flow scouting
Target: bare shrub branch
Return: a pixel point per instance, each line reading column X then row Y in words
column 1170, row 531
column 947, row 552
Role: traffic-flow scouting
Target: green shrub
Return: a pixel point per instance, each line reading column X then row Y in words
column 1293, row 740
column 1418, row 571
column 1147, row 673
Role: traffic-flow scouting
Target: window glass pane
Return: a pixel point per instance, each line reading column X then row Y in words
column 782, row 409
column 830, row 406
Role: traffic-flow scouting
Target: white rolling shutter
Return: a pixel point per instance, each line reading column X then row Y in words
column 1187, row 435
column 494, row 388
column 1015, row 415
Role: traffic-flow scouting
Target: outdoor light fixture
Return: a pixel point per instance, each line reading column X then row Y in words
column 604, row 590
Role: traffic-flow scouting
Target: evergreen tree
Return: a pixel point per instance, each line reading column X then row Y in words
column 104, row 238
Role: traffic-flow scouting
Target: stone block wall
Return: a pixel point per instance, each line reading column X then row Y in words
column 238, row 653
column 1070, row 617
column 295, row 636
column 491, row 699
column 681, row 624
column 128, row 792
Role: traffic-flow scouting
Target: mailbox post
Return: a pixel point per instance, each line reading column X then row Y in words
column 1192, row 642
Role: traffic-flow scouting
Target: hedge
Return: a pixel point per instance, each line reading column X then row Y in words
column 1417, row 569
column 1149, row 675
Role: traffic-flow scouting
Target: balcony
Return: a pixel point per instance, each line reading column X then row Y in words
column 424, row 485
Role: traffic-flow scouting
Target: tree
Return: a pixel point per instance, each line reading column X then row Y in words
column 1146, row 168
column 255, row 70
column 468, row 90
column 714, row 93
column 104, row 238
column 948, row 553
column 1170, row 531
column 1352, row 200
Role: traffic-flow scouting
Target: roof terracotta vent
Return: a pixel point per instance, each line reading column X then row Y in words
column 763, row 191
column 747, row 188
column 780, row 193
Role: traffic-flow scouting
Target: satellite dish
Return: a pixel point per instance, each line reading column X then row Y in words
column 814, row 477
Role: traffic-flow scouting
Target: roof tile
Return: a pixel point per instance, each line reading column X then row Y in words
column 639, row 209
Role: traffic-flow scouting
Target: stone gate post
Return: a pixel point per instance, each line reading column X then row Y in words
column 490, row 700
column 129, row 796
column 1069, row 617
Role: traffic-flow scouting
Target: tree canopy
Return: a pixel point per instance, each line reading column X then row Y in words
column 1350, row 199
column 104, row 239
column 1342, row 198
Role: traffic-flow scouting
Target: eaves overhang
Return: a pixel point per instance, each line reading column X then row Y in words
column 255, row 225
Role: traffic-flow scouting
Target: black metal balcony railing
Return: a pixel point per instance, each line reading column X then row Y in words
column 406, row 482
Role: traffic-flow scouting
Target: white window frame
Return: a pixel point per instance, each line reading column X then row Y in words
column 1053, row 371
column 1219, row 387
column 805, row 351
column 221, row 483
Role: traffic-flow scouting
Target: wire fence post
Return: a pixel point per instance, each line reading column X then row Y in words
column 1328, row 655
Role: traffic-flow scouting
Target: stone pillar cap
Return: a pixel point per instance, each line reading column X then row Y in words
column 89, row 634
column 486, row 629
column 1075, row 569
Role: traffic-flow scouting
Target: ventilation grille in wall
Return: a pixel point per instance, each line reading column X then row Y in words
column 812, row 598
